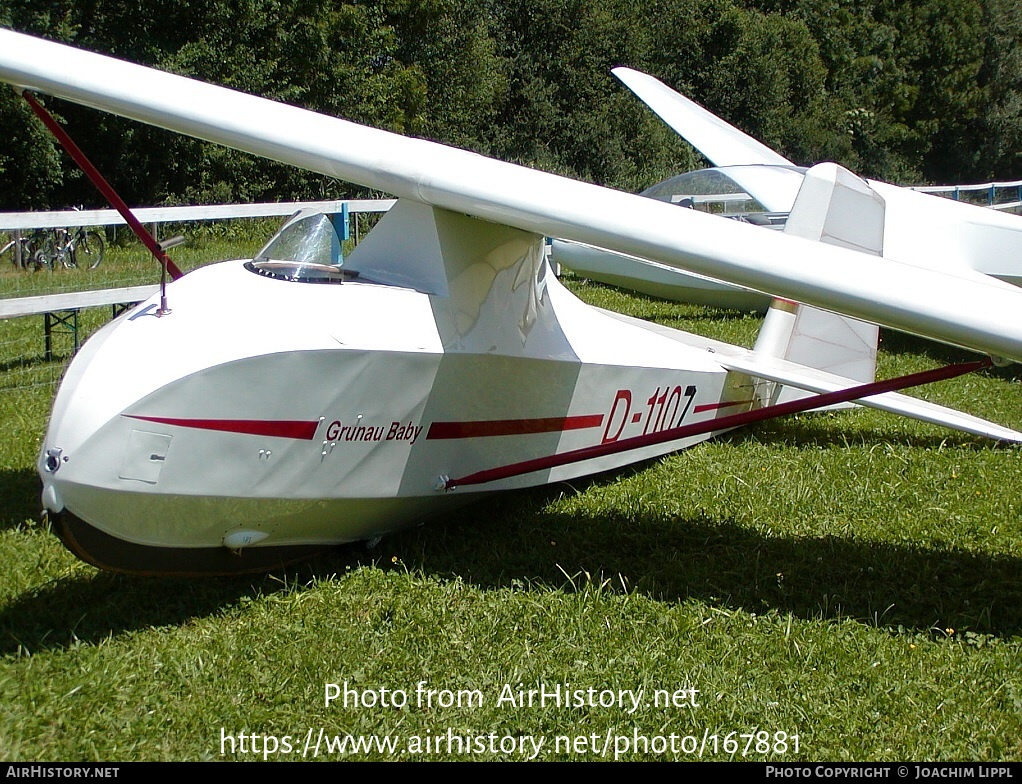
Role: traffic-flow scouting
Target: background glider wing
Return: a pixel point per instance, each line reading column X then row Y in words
column 750, row 163
column 719, row 141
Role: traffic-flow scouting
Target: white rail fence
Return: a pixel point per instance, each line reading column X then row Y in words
column 60, row 310
column 997, row 195
column 25, row 221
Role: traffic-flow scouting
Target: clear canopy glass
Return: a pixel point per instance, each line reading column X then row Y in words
column 733, row 191
column 307, row 249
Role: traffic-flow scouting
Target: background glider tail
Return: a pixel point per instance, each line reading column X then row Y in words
column 835, row 207
column 807, row 351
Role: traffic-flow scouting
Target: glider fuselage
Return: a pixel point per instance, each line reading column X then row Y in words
column 264, row 412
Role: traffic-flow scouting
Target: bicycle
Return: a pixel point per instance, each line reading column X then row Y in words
column 26, row 246
column 70, row 248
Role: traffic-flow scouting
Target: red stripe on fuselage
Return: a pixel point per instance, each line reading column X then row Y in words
column 281, row 428
column 512, row 427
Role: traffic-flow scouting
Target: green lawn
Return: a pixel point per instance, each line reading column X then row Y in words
column 843, row 586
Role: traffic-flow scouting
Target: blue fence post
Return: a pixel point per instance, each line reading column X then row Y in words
column 342, row 228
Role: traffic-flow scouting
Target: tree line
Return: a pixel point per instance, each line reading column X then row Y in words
column 909, row 91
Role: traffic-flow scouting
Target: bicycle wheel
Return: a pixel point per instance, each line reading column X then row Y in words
column 89, row 249
column 40, row 259
column 49, row 252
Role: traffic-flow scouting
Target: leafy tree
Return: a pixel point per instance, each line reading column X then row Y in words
column 904, row 90
column 330, row 58
column 30, row 164
column 996, row 131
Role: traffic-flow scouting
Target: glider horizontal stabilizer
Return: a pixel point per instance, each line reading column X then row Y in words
column 776, row 370
column 821, row 382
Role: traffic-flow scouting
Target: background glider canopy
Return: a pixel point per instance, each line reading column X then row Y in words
column 937, row 305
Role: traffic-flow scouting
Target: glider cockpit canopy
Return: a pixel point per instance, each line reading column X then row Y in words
column 759, row 193
column 306, row 249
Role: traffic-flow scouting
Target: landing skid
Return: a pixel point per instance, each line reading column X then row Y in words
column 108, row 552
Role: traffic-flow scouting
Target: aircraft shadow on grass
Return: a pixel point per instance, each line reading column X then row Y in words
column 894, row 342
column 515, row 542
column 19, row 489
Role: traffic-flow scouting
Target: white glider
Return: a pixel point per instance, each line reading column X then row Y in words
column 288, row 402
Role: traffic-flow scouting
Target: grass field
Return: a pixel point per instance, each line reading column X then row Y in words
column 842, row 586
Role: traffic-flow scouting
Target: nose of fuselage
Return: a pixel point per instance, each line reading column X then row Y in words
column 87, row 398
column 123, row 362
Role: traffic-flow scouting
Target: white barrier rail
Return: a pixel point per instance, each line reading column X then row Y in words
column 991, row 189
column 73, row 300
column 61, row 310
column 19, row 221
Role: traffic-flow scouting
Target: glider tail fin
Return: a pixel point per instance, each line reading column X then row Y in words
column 804, row 350
column 835, row 207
